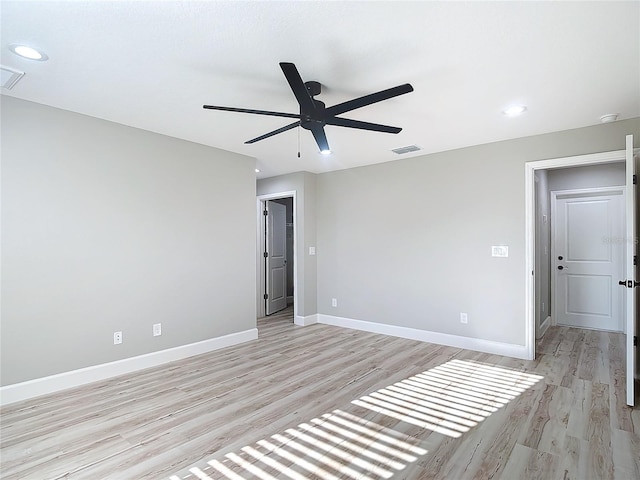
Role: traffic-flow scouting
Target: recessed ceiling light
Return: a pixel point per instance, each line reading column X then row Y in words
column 257, row 170
column 325, row 152
column 514, row 110
column 30, row 53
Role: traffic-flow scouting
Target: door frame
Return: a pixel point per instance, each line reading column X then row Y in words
column 530, row 227
column 260, row 248
column 592, row 192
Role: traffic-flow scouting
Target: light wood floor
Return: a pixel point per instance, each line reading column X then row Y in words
column 321, row 402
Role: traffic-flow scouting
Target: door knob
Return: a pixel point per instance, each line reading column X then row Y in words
column 560, row 267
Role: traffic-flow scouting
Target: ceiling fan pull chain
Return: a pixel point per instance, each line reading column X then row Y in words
column 298, row 141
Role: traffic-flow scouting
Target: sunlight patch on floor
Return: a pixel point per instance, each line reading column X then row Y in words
column 449, row 399
column 335, row 446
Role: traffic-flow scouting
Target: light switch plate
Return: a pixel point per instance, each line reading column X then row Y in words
column 499, row 251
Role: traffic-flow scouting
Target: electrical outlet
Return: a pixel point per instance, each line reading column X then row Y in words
column 117, row 338
column 334, row 302
column 157, row 329
column 464, row 318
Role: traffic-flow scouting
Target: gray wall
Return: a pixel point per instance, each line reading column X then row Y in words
column 304, row 184
column 408, row 243
column 592, row 176
column 106, row 228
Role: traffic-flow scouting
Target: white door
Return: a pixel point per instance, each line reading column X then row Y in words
column 630, row 271
column 276, row 257
column 588, row 258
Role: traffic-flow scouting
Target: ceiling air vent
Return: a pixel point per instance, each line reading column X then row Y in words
column 10, row 77
column 407, row 149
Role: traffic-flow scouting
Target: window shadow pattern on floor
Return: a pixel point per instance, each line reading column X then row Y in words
column 367, row 440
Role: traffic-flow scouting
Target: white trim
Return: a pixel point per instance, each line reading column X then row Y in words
column 589, row 192
column 543, row 327
column 530, row 259
column 578, row 160
column 530, row 227
column 62, row 381
column 305, row 321
column 468, row 343
column 260, row 286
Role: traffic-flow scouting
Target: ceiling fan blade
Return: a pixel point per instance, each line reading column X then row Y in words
column 369, row 99
column 257, row 112
column 321, row 137
column 297, row 85
column 275, row 132
column 346, row 122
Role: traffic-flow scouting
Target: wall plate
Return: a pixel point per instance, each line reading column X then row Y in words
column 500, row 251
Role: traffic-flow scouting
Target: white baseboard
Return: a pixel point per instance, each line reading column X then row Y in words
column 62, row 381
column 543, row 327
column 469, row 343
column 304, row 321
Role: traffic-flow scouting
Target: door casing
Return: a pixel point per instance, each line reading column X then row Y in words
column 530, row 227
column 260, row 246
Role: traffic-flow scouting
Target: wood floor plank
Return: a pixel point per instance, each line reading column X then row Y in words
column 530, row 463
column 573, row 460
column 626, row 459
column 330, row 403
column 599, row 433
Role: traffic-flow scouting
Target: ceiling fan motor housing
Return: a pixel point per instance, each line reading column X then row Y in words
column 314, row 88
column 313, row 117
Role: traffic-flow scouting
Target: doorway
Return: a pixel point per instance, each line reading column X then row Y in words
column 532, row 324
column 539, row 262
column 276, row 244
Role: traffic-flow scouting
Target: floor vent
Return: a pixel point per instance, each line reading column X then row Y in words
column 407, row 149
column 10, row 77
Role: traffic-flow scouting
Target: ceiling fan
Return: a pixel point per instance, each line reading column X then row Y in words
column 314, row 115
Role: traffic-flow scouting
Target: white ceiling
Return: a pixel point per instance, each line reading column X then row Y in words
column 152, row 65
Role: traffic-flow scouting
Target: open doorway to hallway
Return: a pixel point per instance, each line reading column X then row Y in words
column 276, row 253
column 578, row 247
column 627, row 242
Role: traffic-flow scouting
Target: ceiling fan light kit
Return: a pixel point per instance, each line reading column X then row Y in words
column 314, row 115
